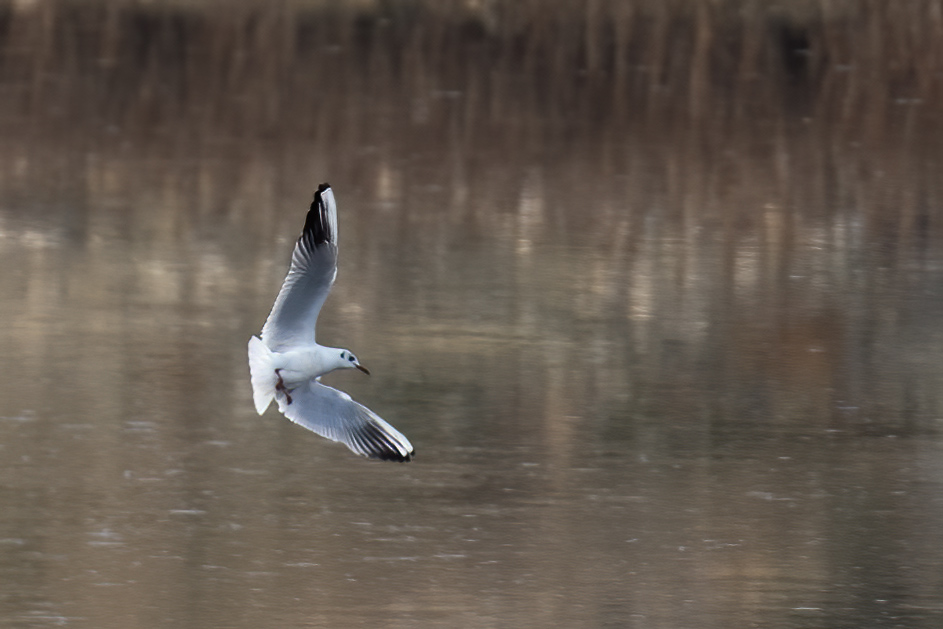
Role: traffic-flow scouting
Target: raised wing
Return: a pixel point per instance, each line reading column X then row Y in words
column 313, row 269
column 333, row 414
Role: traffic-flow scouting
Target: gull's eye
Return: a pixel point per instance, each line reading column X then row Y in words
column 351, row 358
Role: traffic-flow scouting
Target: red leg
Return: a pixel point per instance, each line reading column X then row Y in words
column 280, row 386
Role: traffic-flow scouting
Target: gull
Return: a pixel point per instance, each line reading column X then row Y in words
column 286, row 364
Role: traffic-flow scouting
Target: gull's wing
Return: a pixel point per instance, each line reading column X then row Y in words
column 333, row 414
column 312, row 273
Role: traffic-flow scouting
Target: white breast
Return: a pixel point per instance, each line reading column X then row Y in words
column 301, row 365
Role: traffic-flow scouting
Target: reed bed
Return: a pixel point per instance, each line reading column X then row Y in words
column 818, row 105
column 852, row 62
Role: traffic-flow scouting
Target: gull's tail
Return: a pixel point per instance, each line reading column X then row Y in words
column 261, row 374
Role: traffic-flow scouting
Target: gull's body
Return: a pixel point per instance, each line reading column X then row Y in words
column 286, row 364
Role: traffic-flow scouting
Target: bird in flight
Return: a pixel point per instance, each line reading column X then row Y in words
column 287, row 363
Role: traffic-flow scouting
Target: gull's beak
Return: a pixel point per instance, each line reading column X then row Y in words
column 362, row 368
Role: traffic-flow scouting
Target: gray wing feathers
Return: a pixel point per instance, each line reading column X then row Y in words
column 333, row 414
column 313, row 269
column 295, row 314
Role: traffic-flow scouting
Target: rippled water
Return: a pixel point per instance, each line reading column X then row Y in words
column 659, row 370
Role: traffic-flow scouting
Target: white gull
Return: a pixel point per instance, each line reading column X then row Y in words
column 287, row 364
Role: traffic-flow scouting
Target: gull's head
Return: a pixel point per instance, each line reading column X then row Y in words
column 349, row 361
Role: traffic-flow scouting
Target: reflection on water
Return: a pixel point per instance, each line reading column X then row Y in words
column 666, row 344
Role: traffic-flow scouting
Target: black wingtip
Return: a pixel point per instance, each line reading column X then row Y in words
column 317, row 229
column 389, row 456
column 377, row 444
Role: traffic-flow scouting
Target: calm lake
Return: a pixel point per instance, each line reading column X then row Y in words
column 665, row 333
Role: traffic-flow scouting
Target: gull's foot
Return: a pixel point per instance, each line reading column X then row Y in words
column 280, row 386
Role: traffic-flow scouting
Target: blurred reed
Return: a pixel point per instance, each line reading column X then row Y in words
column 845, row 60
column 737, row 104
